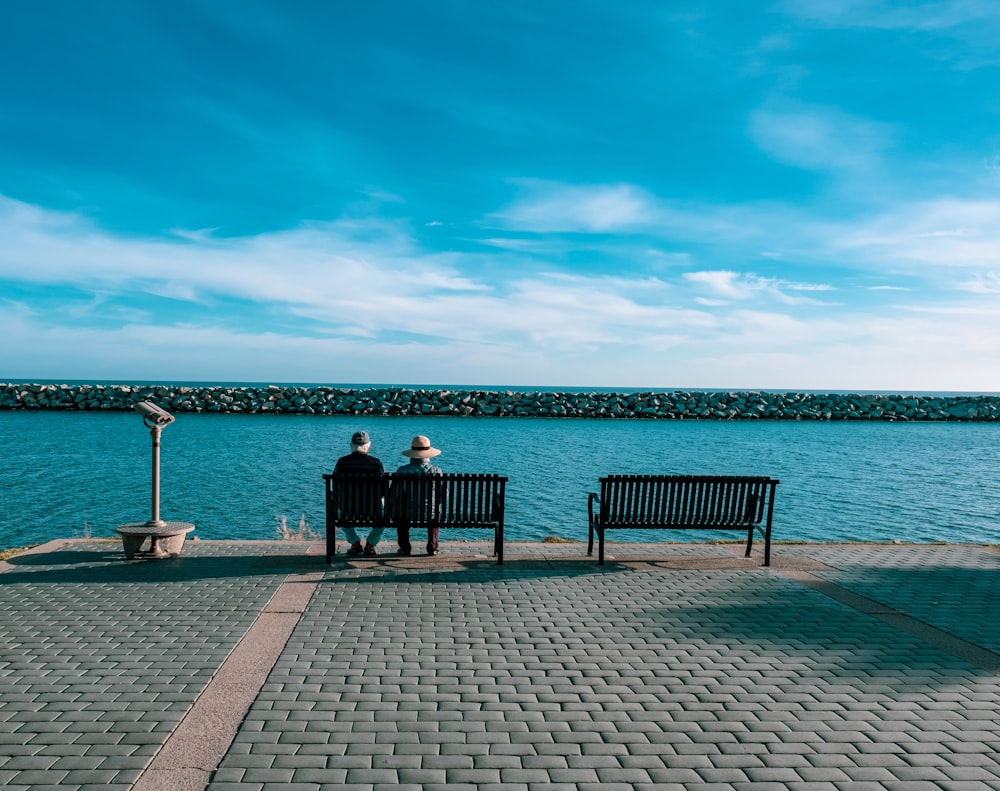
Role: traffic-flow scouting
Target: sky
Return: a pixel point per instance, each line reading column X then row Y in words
column 784, row 195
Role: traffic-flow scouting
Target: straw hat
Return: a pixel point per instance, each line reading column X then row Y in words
column 421, row 448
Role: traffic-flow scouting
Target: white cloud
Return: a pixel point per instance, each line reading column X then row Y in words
column 586, row 209
column 350, row 279
column 960, row 32
column 924, row 238
column 807, row 286
column 624, row 209
column 992, row 166
column 734, row 286
column 199, row 235
column 724, row 283
column 356, row 301
column 818, row 138
column 520, row 245
column 935, row 15
column 946, row 232
column 986, row 283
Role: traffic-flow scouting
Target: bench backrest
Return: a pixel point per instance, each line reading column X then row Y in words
column 354, row 500
column 448, row 500
column 685, row 500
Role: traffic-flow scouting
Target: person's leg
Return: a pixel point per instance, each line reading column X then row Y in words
column 373, row 537
column 432, row 540
column 351, row 535
column 403, row 534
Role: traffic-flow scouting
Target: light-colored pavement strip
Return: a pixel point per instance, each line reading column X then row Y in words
column 193, row 751
column 250, row 666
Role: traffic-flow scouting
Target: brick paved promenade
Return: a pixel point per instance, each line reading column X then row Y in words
column 249, row 665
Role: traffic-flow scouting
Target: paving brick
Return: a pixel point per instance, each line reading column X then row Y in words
column 96, row 777
column 476, row 777
column 227, row 775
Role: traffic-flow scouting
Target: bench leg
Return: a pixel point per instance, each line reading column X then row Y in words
column 600, row 546
column 172, row 545
column 767, row 544
column 132, row 545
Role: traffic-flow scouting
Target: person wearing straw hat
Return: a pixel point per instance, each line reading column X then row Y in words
column 360, row 462
column 419, row 503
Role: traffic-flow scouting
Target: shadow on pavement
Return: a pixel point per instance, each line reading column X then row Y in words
column 759, row 630
column 107, row 564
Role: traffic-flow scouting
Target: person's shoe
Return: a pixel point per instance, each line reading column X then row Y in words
column 370, row 550
column 433, row 552
column 405, row 551
column 355, row 549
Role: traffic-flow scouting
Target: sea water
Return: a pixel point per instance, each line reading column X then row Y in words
column 73, row 474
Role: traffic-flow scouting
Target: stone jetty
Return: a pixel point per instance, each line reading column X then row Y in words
column 667, row 405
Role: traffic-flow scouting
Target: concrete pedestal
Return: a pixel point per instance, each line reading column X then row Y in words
column 165, row 540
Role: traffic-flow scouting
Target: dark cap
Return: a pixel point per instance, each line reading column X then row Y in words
column 360, row 438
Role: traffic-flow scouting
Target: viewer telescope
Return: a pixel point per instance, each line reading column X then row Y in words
column 134, row 533
column 152, row 415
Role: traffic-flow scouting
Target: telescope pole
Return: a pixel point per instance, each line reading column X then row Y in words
column 154, row 519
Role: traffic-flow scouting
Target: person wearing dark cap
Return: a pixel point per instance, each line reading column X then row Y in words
column 419, row 503
column 360, row 462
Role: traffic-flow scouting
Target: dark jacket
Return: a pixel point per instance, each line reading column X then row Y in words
column 355, row 502
column 419, row 501
column 358, row 463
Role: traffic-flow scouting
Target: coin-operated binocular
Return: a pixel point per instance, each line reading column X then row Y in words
column 170, row 533
column 152, row 415
column 155, row 419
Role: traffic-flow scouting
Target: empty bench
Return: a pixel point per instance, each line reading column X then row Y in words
column 682, row 502
column 450, row 500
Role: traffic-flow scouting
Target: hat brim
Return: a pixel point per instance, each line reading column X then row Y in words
column 421, row 454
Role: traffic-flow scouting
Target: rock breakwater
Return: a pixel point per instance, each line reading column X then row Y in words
column 667, row 405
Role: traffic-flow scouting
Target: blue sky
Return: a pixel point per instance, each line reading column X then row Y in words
column 799, row 194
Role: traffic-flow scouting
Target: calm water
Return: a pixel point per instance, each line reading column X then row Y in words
column 67, row 474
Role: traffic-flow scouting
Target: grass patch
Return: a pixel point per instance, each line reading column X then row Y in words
column 9, row 553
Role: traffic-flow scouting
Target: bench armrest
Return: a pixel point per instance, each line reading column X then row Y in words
column 592, row 498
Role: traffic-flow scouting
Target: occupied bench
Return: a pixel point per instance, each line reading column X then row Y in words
column 450, row 500
column 682, row 502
